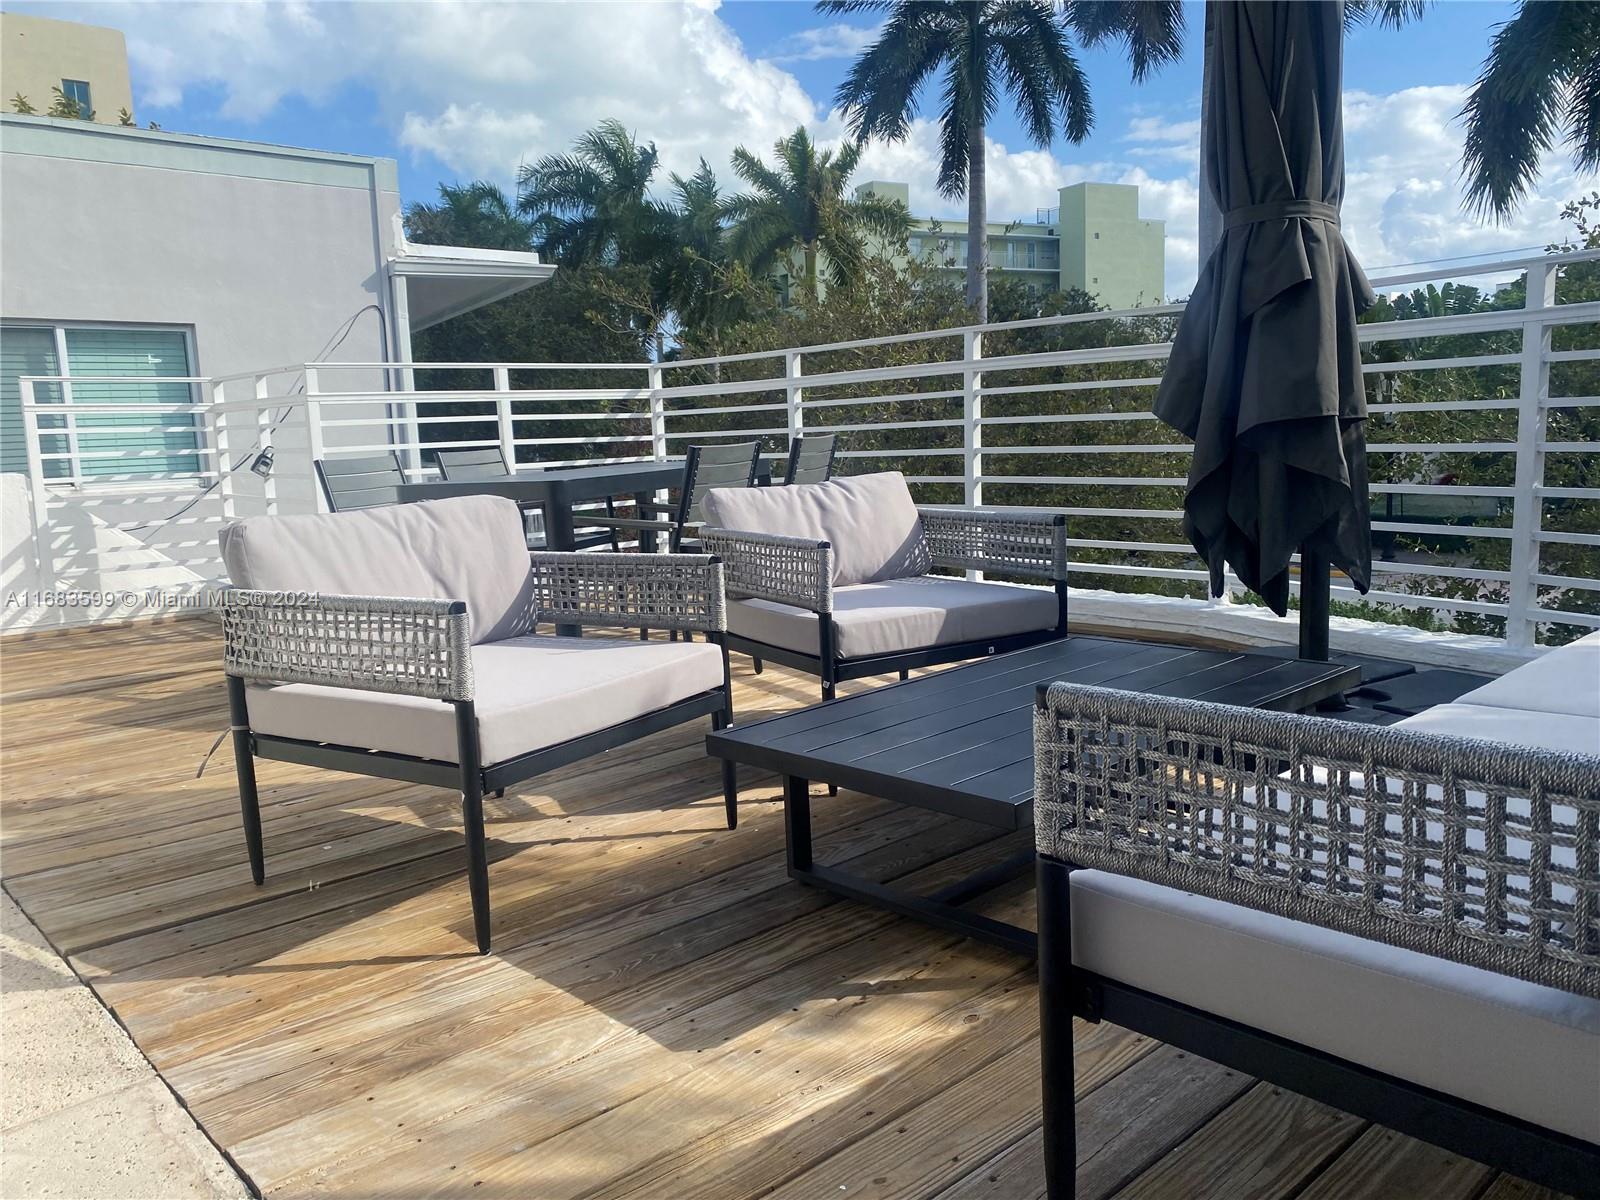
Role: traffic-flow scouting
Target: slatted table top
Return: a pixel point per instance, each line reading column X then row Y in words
column 961, row 741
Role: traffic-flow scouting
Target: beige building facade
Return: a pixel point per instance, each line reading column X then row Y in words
column 89, row 64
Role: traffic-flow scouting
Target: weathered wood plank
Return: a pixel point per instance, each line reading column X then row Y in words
column 1268, row 1144
column 1383, row 1164
column 665, row 1013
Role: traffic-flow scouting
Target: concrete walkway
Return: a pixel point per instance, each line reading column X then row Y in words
column 83, row 1115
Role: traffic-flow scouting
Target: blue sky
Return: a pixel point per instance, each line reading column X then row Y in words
column 466, row 90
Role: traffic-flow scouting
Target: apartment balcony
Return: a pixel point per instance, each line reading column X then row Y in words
column 665, row 1013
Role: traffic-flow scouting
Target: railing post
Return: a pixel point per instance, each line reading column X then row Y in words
column 221, row 444
column 794, row 394
column 1527, row 516
column 269, row 484
column 658, row 414
column 502, row 410
column 972, row 416
column 40, row 495
column 314, row 436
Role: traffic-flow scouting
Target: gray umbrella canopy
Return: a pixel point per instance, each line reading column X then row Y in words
column 1265, row 372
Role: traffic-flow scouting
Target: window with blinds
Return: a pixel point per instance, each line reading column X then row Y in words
column 102, row 445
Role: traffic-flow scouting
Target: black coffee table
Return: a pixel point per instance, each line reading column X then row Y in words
column 961, row 742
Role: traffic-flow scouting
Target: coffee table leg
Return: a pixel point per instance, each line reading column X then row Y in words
column 797, row 822
column 939, row 910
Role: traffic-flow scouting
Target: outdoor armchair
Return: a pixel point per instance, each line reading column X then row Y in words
column 835, row 578
column 442, row 677
column 1399, row 922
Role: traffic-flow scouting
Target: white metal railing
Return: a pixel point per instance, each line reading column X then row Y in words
column 949, row 417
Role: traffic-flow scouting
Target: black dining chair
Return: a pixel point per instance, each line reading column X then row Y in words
column 363, row 482
column 488, row 462
column 811, row 458
column 704, row 467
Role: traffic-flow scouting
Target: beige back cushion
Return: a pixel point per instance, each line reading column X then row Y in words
column 870, row 520
column 470, row 548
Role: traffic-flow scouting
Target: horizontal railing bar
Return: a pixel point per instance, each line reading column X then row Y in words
column 1443, row 406
column 1568, row 581
column 808, row 403
column 1440, row 364
column 1067, row 418
column 1567, row 539
column 1565, row 493
column 1442, row 529
column 1548, row 616
column 1081, row 480
column 714, row 412
column 1076, row 385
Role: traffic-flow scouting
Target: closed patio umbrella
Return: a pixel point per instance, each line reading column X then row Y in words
column 1265, row 371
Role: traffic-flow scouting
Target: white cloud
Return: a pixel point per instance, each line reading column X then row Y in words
column 481, row 87
column 1403, row 189
column 825, row 41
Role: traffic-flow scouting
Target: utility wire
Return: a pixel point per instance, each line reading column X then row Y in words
column 225, row 470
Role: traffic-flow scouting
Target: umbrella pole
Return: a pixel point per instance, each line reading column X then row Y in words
column 1314, row 587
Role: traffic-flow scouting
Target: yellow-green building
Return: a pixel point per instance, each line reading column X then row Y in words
column 1092, row 239
column 87, row 63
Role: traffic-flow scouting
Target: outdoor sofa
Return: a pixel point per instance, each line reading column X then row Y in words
column 401, row 642
column 835, row 578
column 1401, row 922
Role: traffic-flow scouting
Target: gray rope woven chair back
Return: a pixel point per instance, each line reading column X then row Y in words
column 706, row 467
column 811, row 458
column 486, row 462
column 363, row 482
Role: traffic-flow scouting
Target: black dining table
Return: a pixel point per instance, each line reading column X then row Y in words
column 557, row 490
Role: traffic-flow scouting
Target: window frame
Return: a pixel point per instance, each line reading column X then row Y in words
column 86, row 105
column 75, row 477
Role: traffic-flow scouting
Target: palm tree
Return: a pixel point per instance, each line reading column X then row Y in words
column 704, row 286
column 470, row 214
column 984, row 47
column 802, row 205
column 1540, row 79
column 593, row 206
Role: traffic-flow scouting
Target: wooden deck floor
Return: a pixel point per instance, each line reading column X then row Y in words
column 665, row 1015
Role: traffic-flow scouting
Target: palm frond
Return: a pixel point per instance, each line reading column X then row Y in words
column 1393, row 13
column 1515, row 108
column 1150, row 30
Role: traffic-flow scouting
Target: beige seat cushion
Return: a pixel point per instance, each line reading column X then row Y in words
column 471, row 548
column 901, row 614
column 870, row 521
column 1528, row 1051
column 1565, row 680
column 531, row 692
column 1517, row 726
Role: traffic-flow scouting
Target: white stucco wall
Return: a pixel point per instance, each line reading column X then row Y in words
column 268, row 255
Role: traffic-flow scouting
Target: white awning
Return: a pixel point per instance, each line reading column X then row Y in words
column 446, row 281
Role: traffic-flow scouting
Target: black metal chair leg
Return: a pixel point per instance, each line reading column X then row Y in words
column 758, row 664
column 472, row 819
column 1055, row 1029
column 905, row 674
column 244, row 764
